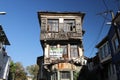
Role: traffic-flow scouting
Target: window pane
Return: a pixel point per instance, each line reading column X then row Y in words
column 100, row 52
column 103, row 52
column 108, row 47
column 64, row 51
column 54, row 51
column 74, row 51
column 69, row 25
column 116, row 43
column 64, row 75
column 52, row 25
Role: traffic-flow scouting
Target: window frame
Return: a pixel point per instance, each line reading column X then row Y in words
column 116, row 47
column 65, row 75
column 74, row 55
column 61, row 47
column 65, row 48
column 70, row 25
column 104, row 50
column 50, row 25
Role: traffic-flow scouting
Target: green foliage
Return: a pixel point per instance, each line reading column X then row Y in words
column 17, row 71
column 20, row 73
column 33, row 70
column 76, row 75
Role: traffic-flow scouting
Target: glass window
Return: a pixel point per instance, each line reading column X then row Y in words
column 69, row 25
column 64, row 51
column 109, row 50
column 74, row 51
column 54, row 51
column 65, row 75
column 100, row 52
column 52, row 25
column 115, row 43
column 104, row 50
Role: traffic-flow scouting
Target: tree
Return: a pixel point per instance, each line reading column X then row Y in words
column 33, row 70
column 12, row 71
column 75, row 75
column 20, row 73
column 17, row 71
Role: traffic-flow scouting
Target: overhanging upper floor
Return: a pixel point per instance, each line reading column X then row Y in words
column 61, row 25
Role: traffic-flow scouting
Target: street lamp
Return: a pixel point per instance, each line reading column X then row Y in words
column 2, row 13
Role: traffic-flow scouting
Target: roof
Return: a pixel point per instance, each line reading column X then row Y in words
column 61, row 13
column 50, row 12
column 102, row 42
column 3, row 37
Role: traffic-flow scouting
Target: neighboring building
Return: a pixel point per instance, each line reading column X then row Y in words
column 61, row 40
column 93, row 63
column 94, row 67
column 108, row 70
column 4, row 58
column 114, row 40
column 41, row 72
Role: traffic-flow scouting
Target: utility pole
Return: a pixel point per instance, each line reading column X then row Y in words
column 112, row 23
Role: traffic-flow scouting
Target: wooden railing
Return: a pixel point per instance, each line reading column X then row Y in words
column 60, row 35
column 63, row 32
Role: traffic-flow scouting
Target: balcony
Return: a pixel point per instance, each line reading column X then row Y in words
column 62, row 31
column 60, row 36
column 52, row 61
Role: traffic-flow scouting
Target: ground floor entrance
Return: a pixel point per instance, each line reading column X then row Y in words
column 62, row 75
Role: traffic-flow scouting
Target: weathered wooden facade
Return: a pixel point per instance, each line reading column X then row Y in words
column 61, row 39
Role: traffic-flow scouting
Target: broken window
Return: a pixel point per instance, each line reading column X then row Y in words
column 69, row 25
column 52, row 25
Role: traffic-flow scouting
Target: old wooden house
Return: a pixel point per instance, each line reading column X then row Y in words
column 61, row 39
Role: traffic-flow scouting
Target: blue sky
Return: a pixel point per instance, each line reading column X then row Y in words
column 22, row 27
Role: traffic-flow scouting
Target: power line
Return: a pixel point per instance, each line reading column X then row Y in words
column 105, row 5
column 96, row 40
column 118, row 4
column 105, row 18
